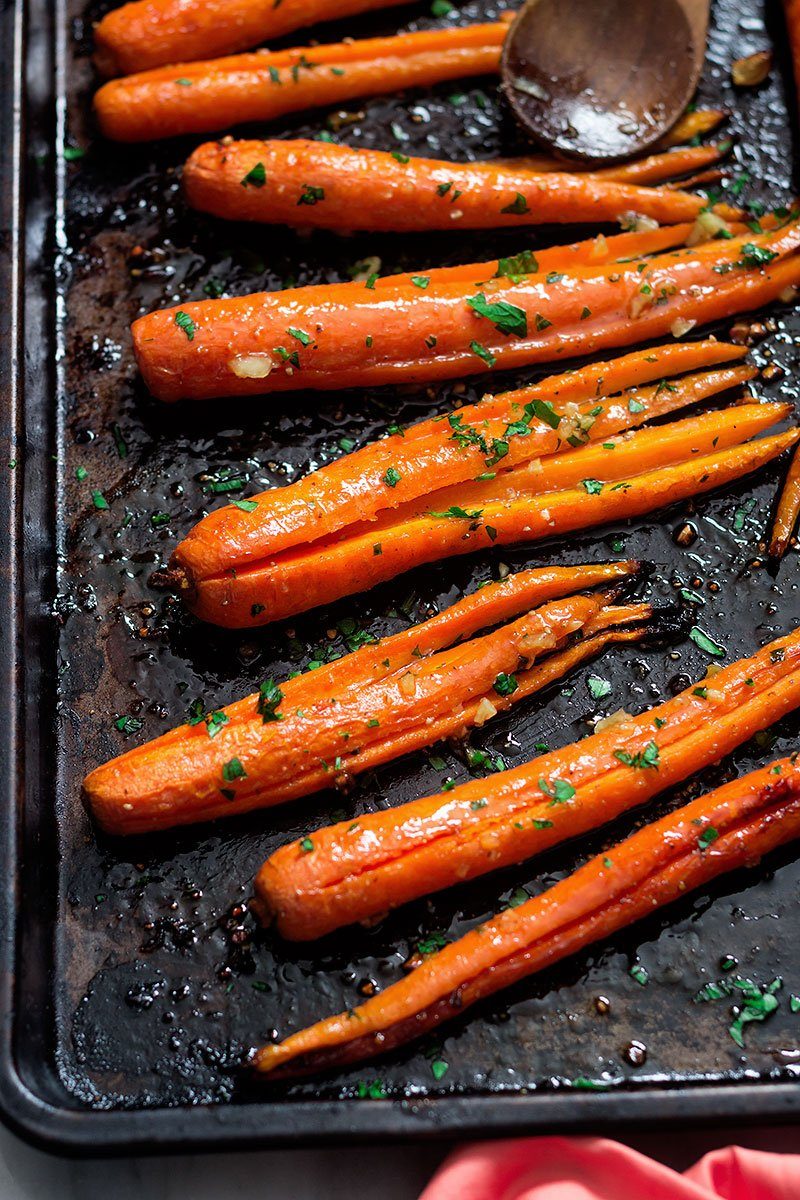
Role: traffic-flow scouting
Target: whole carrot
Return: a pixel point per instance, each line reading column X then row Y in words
column 333, row 336
column 203, row 96
column 328, row 186
column 731, row 827
column 293, row 738
column 152, row 33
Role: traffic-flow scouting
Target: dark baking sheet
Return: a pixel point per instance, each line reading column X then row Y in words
column 136, row 979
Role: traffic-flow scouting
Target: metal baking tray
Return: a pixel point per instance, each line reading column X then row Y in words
column 133, row 979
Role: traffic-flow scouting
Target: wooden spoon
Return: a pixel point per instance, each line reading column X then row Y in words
column 601, row 80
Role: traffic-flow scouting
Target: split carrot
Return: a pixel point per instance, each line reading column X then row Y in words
column 409, row 691
column 153, row 33
column 332, row 336
column 358, row 871
column 787, row 512
column 203, row 96
column 729, row 828
column 327, row 186
column 591, row 403
column 378, row 551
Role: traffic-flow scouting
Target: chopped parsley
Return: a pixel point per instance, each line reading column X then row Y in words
column 311, row 194
column 483, row 353
column 233, row 770
column 558, row 790
column 505, row 685
column 706, row 643
column 269, row 697
column 256, row 177
column 185, row 322
column 506, row 318
column 641, row 761
column 392, row 477
column 518, row 206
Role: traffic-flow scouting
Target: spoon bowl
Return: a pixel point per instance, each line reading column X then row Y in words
column 601, row 80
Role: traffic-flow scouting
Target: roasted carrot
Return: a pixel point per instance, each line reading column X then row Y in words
column 654, row 169
column 333, row 336
column 380, row 702
column 154, row 33
column 203, row 96
column 691, row 125
column 731, row 827
column 328, row 186
column 787, row 511
column 358, row 871
column 377, row 551
column 591, row 403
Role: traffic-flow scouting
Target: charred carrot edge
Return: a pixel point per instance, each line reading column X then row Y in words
column 329, row 186
column 203, row 96
column 331, row 336
column 392, row 857
column 154, row 33
column 296, row 583
column 787, row 511
column 291, row 740
column 457, row 447
column 731, row 827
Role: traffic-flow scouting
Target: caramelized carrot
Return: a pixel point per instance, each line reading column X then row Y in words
column 729, row 828
column 654, row 169
column 382, row 701
column 693, row 124
column 153, row 33
column 199, row 97
column 388, row 858
column 297, row 581
column 327, row 186
column 333, row 336
column 787, row 512
column 497, row 432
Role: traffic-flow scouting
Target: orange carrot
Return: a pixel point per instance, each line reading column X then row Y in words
column 153, row 33
column 691, row 125
column 327, row 186
column 457, row 447
column 299, row 580
column 199, row 97
column 787, row 512
column 381, row 701
column 731, row 827
column 333, row 336
column 388, row 858
column 655, row 168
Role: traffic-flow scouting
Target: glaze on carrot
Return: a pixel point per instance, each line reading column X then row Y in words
column 202, row 96
column 153, row 33
column 501, row 431
column 522, row 512
column 335, row 336
column 408, row 691
column 787, row 511
column 328, row 186
column 390, row 858
column 729, row 828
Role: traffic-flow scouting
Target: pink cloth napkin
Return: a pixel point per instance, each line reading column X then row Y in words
column 557, row 1168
